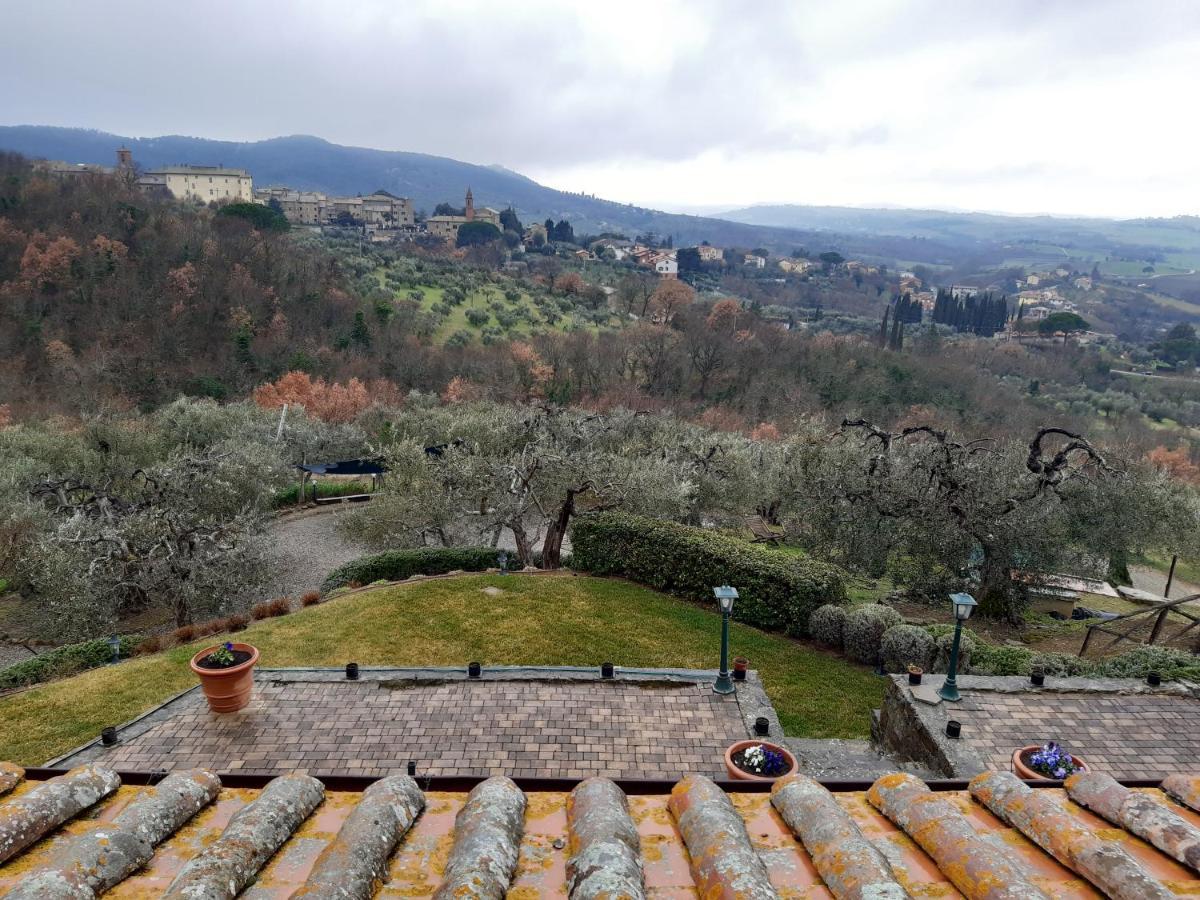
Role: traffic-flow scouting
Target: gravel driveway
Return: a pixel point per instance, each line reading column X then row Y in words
column 306, row 547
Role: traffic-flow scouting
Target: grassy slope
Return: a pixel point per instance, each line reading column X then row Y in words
column 546, row 620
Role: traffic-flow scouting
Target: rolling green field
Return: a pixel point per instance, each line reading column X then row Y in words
column 536, row 620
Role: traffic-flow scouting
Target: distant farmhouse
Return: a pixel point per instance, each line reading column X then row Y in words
column 447, row 226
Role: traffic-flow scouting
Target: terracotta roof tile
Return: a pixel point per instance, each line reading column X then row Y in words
column 724, row 863
column 981, row 869
column 850, row 865
column 487, row 841
column 1138, row 813
column 252, row 837
column 96, row 861
column 292, row 838
column 1050, row 825
column 1184, row 788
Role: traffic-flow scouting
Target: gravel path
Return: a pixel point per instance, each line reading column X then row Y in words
column 1147, row 579
column 306, row 547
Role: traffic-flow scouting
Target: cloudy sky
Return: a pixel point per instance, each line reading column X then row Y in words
column 1062, row 106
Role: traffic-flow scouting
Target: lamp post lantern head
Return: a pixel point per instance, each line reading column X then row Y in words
column 725, row 596
column 964, row 604
column 114, row 645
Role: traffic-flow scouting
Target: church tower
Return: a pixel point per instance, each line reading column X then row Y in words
column 470, row 210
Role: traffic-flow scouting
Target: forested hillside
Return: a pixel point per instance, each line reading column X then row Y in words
column 112, row 300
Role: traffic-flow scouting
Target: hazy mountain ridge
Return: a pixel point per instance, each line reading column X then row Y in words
column 964, row 229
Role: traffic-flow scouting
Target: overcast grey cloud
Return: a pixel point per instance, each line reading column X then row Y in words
column 1070, row 106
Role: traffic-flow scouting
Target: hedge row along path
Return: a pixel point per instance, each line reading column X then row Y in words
column 548, row 619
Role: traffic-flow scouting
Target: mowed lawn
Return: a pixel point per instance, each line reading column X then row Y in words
column 536, row 620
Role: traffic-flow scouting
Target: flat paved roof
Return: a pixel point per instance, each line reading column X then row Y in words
column 652, row 727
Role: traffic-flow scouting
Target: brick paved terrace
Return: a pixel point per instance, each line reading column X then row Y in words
column 1123, row 727
column 1125, row 735
column 524, row 722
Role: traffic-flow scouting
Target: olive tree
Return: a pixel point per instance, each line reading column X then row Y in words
column 462, row 474
column 982, row 509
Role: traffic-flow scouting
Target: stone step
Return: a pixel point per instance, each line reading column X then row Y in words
column 848, row 759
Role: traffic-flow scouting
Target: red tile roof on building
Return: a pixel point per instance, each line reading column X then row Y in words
column 85, row 833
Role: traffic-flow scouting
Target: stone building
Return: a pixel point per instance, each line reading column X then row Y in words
column 447, row 226
column 204, row 183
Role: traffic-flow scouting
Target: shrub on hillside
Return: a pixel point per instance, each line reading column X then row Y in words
column 280, row 606
column 238, row 622
column 826, row 624
column 941, row 662
column 865, row 626
column 312, row 598
column 1139, row 663
column 396, row 565
column 907, row 645
column 63, row 661
column 777, row 591
column 1061, row 665
column 993, row 659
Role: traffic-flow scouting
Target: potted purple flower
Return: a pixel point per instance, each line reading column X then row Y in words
column 758, row 761
column 1050, row 760
column 226, row 674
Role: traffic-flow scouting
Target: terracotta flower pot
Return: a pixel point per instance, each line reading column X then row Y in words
column 741, row 664
column 738, row 774
column 227, row 690
column 1025, row 773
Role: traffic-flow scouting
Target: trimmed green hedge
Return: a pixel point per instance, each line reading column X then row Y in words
column 777, row 591
column 63, row 661
column 396, row 565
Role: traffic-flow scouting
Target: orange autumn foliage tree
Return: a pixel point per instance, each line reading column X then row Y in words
column 329, row 402
column 461, row 390
column 46, row 264
column 1176, row 463
column 533, row 373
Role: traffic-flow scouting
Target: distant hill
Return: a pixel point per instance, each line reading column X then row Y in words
column 311, row 163
column 1029, row 239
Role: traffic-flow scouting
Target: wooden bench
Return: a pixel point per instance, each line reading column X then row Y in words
column 763, row 531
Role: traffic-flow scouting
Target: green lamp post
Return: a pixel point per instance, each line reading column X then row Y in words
column 963, row 604
column 725, row 596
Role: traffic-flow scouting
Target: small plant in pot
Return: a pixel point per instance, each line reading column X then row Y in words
column 1049, row 761
column 914, row 674
column 758, row 761
column 226, row 675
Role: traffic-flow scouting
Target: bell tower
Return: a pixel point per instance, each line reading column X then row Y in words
column 124, row 158
column 470, row 210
